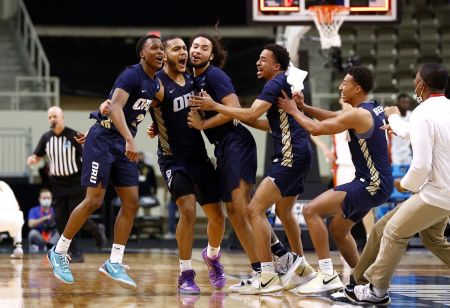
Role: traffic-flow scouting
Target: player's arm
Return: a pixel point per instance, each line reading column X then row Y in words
column 358, row 119
column 318, row 113
column 258, row 108
column 261, row 124
column 118, row 101
column 219, row 119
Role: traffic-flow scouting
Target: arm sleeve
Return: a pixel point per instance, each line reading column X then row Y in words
column 422, row 140
column 270, row 93
column 127, row 81
column 40, row 148
column 400, row 127
column 222, row 84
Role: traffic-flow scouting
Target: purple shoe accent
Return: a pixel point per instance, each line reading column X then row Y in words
column 216, row 273
column 186, row 283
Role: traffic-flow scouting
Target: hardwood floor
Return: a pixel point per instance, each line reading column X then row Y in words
column 421, row 281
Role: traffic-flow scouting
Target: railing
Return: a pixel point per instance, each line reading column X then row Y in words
column 39, row 90
column 15, row 146
column 32, row 92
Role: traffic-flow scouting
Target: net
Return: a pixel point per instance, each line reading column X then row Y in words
column 328, row 19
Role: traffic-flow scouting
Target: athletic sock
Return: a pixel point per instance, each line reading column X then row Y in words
column 326, row 266
column 377, row 291
column 278, row 249
column 117, row 253
column 185, row 265
column 212, row 252
column 267, row 267
column 63, row 245
column 256, row 267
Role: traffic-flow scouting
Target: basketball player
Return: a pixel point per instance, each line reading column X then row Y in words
column 235, row 150
column 348, row 203
column 291, row 163
column 428, row 209
column 187, row 170
column 110, row 153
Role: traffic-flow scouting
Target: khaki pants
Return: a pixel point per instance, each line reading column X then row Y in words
column 399, row 226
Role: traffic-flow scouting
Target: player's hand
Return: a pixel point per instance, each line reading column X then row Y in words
column 80, row 138
column 299, row 100
column 131, row 150
column 388, row 111
column 104, row 107
column 195, row 120
column 152, row 131
column 387, row 127
column 32, row 160
column 202, row 102
column 287, row 104
column 399, row 186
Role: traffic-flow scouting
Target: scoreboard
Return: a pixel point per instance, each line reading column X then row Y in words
column 294, row 11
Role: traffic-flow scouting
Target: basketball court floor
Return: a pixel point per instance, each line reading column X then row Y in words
column 421, row 281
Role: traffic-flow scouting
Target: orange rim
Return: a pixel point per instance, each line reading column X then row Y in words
column 325, row 13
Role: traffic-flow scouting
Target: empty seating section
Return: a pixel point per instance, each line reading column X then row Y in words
column 394, row 51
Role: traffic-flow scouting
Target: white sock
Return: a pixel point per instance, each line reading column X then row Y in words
column 377, row 291
column 267, row 267
column 63, row 245
column 302, row 260
column 185, row 265
column 117, row 253
column 212, row 252
column 326, row 266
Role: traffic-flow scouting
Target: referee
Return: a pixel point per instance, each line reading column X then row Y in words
column 64, row 155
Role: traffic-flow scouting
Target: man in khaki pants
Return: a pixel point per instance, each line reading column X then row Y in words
column 426, row 211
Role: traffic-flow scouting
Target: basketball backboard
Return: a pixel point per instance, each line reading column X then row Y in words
column 294, row 11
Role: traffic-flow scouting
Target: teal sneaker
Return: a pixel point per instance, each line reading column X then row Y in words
column 60, row 265
column 117, row 272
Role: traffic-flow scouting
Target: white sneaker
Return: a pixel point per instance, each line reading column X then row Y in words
column 238, row 286
column 266, row 283
column 322, row 283
column 303, row 274
column 362, row 294
column 17, row 252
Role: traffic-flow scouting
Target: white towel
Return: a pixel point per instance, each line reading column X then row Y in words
column 295, row 77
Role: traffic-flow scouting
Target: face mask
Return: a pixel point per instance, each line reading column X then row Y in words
column 418, row 98
column 46, row 202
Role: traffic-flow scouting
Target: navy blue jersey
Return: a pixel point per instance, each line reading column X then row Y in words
column 290, row 140
column 370, row 152
column 218, row 85
column 142, row 90
column 175, row 137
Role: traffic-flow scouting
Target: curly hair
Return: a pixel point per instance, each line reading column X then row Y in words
column 363, row 77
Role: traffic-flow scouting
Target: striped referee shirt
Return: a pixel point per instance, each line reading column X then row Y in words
column 63, row 152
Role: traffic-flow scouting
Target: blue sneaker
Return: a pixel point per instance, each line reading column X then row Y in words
column 60, row 265
column 117, row 272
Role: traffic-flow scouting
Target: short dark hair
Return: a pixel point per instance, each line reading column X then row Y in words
column 434, row 75
column 44, row 190
column 362, row 76
column 281, row 55
column 220, row 53
column 170, row 38
column 141, row 42
column 403, row 95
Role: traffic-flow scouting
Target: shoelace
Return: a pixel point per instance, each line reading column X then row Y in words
column 64, row 259
column 218, row 268
column 122, row 268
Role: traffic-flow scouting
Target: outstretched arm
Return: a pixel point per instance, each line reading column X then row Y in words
column 258, row 108
column 358, row 119
column 318, row 113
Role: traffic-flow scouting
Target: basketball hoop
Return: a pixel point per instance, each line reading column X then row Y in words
column 328, row 19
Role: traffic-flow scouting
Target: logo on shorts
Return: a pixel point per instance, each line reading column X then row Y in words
column 94, row 172
column 169, row 177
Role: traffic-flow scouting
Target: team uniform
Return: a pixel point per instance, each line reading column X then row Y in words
column 235, row 148
column 104, row 151
column 373, row 181
column 292, row 157
column 182, row 156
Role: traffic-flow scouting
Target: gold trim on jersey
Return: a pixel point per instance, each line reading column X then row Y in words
column 162, row 132
column 286, row 141
column 374, row 184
